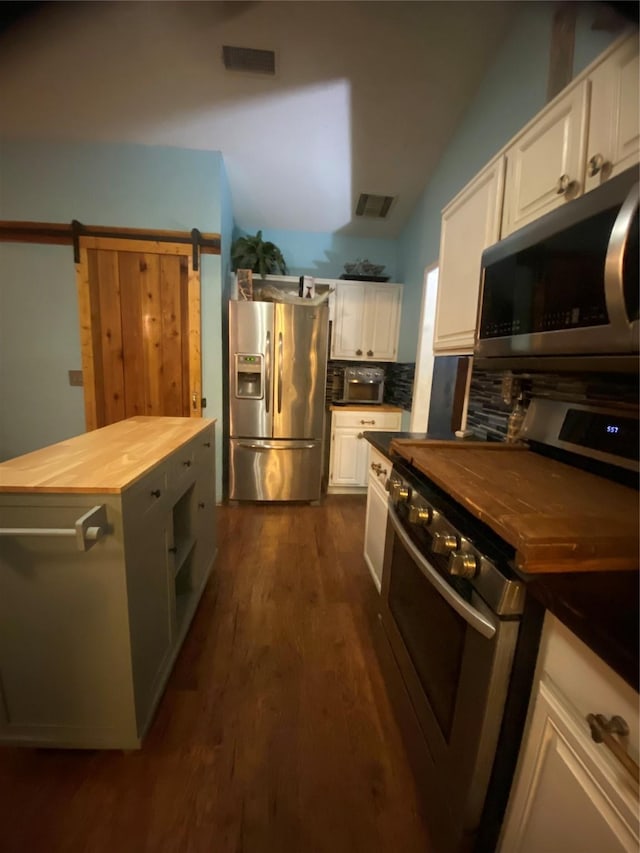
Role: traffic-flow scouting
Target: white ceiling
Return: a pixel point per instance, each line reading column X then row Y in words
column 366, row 94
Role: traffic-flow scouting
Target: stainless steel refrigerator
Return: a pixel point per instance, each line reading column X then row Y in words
column 277, row 377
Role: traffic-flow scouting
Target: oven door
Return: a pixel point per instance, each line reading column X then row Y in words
column 455, row 658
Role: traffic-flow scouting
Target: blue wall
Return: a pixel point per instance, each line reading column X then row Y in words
column 323, row 255
column 510, row 95
column 120, row 185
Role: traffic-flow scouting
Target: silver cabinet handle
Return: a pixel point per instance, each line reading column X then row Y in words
column 252, row 446
column 564, row 182
column 377, row 467
column 603, row 731
column 596, row 164
column 267, row 371
column 87, row 530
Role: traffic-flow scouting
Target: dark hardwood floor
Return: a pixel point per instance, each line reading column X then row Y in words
column 274, row 735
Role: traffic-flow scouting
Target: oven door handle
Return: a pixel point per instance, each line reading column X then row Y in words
column 476, row 620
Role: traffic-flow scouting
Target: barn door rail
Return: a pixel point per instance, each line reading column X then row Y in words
column 196, row 239
column 65, row 234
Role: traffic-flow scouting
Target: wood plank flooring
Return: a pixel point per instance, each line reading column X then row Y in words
column 275, row 734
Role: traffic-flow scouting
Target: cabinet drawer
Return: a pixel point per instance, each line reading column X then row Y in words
column 586, row 681
column 368, row 419
column 148, row 493
column 182, row 465
column 379, row 469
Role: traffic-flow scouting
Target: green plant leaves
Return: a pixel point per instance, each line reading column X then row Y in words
column 260, row 256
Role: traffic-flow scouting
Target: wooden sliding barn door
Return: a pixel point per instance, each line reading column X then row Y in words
column 139, row 305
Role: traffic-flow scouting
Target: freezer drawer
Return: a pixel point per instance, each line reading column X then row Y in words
column 274, row 470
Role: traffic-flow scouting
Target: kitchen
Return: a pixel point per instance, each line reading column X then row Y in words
column 406, row 313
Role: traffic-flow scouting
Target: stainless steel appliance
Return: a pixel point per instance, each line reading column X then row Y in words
column 363, row 385
column 277, row 366
column 460, row 635
column 566, row 285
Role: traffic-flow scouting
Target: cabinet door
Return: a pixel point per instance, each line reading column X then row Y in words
column 376, row 517
column 614, row 122
column 348, row 325
column 566, row 797
column 382, row 321
column 548, row 157
column 150, row 599
column 469, row 224
column 349, row 458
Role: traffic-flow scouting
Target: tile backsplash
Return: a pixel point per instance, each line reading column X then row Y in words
column 398, row 383
column 488, row 414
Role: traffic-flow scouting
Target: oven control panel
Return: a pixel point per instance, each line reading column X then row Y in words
column 450, row 549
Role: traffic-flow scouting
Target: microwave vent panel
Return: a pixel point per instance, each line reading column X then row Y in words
column 374, row 206
column 249, row 60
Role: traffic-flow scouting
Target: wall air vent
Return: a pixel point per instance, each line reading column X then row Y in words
column 249, row 60
column 374, row 206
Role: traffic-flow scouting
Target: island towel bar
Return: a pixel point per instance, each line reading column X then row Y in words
column 87, row 530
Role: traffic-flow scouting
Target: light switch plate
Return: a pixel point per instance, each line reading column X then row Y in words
column 75, row 377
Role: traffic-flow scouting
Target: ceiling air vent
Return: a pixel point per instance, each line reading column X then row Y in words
column 248, row 59
column 374, row 206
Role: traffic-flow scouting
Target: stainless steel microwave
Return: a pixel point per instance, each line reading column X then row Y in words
column 566, row 286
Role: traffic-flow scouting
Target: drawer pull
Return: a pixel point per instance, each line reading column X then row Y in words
column 373, row 423
column 603, row 731
column 369, row 352
column 596, row 165
column 360, row 435
column 377, row 467
column 201, row 504
column 187, row 463
column 173, row 549
column 155, row 493
column 207, row 444
column 358, row 352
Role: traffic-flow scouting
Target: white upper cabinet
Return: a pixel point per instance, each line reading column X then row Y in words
column 366, row 321
column 470, row 223
column 545, row 166
column 614, row 122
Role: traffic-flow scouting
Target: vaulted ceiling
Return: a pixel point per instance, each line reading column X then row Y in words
column 364, row 98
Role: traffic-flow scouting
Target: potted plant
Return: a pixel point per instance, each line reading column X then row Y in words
column 258, row 255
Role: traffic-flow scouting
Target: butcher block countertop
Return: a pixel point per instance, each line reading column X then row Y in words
column 558, row 518
column 105, row 461
column 363, row 407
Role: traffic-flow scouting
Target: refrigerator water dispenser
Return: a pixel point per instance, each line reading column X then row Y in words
column 249, row 376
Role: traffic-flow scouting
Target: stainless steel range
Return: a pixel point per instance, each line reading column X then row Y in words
column 460, row 633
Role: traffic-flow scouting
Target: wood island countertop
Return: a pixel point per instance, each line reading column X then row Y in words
column 105, row 460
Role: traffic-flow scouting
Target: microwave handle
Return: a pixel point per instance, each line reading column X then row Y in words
column 614, row 261
column 476, row 620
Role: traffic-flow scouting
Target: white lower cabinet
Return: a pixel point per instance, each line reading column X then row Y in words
column 572, row 795
column 376, row 518
column 349, row 455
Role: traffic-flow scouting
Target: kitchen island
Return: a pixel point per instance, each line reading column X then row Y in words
column 107, row 541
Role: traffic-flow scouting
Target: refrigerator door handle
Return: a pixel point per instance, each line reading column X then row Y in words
column 267, row 371
column 251, row 446
column 280, row 356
